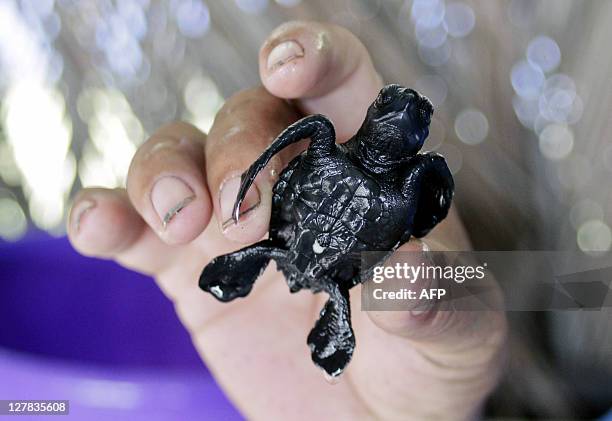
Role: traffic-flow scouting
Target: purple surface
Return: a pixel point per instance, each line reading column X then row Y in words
column 68, row 321
column 118, row 394
column 55, row 302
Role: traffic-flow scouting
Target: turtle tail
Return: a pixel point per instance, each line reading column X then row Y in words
column 323, row 139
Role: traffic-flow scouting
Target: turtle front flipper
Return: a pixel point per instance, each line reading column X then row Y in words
column 232, row 275
column 332, row 340
column 322, row 136
column 429, row 184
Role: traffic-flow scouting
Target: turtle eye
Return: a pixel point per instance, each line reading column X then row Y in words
column 383, row 99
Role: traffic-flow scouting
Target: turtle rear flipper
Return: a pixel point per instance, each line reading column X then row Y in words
column 232, row 275
column 332, row 340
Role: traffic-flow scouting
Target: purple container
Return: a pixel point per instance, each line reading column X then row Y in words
column 91, row 332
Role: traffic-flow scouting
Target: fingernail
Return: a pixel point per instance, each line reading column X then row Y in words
column 79, row 210
column 169, row 196
column 227, row 197
column 284, row 53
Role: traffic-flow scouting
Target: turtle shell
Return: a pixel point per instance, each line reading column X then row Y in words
column 325, row 215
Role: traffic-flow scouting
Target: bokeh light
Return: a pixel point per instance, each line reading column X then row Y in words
column 557, row 100
column 46, row 174
column 542, row 98
column 434, row 23
column 118, row 35
column 471, row 126
column 41, row 8
column 13, row 222
column 428, row 13
column 527, row 80
column 133, row 15
column 114, row 134
column 594, row 237
column 203, row 100
column 459, row 19
column 430, row 37
column 556, row 141
column 25, row 54
column 543, row 52
column 192, row 18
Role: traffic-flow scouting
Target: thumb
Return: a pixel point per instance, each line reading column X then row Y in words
column 324, row 68
column 439, row 323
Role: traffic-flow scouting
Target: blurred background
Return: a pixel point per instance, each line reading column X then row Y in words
column 523, row 95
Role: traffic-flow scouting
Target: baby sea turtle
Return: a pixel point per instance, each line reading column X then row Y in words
column 334, row 201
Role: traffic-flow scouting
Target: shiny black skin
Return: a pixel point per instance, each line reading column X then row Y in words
column 333, row 202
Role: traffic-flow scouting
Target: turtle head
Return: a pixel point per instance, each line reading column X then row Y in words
column 396, row 124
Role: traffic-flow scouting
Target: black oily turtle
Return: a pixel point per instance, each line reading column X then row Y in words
column 334, row 201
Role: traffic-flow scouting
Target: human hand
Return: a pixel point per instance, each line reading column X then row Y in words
column 175, row 216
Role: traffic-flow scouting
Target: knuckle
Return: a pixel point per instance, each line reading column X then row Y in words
column 250, row 116
column 172, row 140
column 144, row 160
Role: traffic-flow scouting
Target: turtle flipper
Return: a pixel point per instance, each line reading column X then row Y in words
column 232, row 275
column 317, row 127
column 332, row 341
column 430, row 185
